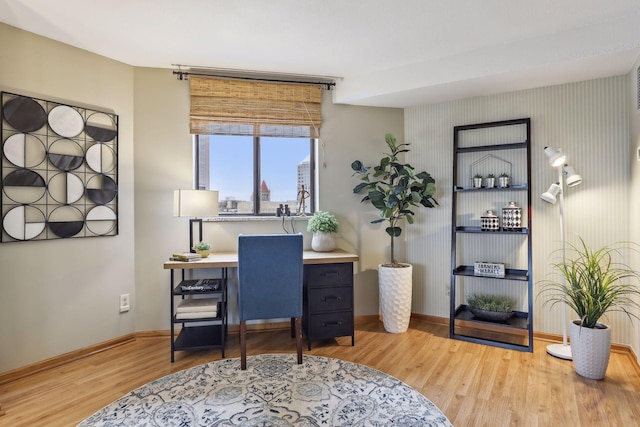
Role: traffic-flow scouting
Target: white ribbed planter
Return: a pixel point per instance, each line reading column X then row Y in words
column 590, row 349
column 395, row 297
column 322, row 242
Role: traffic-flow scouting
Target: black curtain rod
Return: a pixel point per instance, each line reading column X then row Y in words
column 184, row 75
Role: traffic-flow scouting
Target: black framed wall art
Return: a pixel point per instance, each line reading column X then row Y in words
column 59, row 170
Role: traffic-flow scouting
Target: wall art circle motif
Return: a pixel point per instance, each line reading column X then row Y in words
column 101, row 189
column 66, row 121
column 65, row 187
column 101, row 127
column 24, row 222
column 24, row 114
column 65, row 221
column 24, row 186
column 101, row 220
column 101, row 158
column 24, row 150
column 66, row 154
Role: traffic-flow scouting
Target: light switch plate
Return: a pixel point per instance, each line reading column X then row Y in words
column 638, row 154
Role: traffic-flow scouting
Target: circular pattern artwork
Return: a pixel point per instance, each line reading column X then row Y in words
column 59, row 170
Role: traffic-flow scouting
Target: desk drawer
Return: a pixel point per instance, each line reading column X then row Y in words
column 331, row 325
column 329, row 299
column 329, row 274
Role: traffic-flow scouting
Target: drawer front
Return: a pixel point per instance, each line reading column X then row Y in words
column 329, row 274
column 329, row 299
column 331, row 325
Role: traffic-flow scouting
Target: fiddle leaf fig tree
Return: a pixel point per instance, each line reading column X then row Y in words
column 394, row 188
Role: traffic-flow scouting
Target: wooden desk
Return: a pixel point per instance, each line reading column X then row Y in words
column 327, row 298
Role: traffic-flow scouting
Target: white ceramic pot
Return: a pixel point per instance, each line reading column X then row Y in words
column 395, row 297
column 322, row 242
column 590, row 349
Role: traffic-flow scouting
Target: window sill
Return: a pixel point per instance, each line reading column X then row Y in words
column 256, row 218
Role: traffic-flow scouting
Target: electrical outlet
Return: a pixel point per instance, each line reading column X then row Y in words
column 124, row 303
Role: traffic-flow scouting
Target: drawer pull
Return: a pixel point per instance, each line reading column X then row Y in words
column 331, row 298
column 331, row 274
column 325, row 324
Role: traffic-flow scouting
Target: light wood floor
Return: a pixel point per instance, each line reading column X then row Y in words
column 474, row 385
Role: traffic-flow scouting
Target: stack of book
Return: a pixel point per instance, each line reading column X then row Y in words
column 185, row 257
column 197, row 308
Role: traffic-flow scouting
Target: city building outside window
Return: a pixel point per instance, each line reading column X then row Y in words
column 257, row 175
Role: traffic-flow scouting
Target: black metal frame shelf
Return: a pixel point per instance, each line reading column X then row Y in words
column 519, row 328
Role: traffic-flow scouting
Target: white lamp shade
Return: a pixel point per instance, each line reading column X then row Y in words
column 549, row 196
column 572, row 178
column 195, row 203
column 556, row 157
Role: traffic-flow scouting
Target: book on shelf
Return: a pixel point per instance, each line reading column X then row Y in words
column 191, row 305
column 174, row 258
column 200, row 285
column 197, row 314
column 185, row 256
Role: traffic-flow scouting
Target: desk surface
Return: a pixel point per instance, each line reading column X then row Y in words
column 230, row 259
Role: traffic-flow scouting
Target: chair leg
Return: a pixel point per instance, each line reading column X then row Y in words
column 293, row 327
column 243, row 345
column 299, row 339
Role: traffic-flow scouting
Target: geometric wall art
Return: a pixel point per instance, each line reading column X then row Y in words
column 59, row 170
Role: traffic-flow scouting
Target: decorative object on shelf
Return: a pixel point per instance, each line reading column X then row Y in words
column 490, row 307
column 490, row 181
column 303, row 195
column 195, row 204
column 488, row 269
column 503, row 180
column 555, row 193
column 594, row 282
column 59, row 170
column 512, row 217
column 203, row 249
column 393, row 188
column 323, row 225
column 477, row 181
column 489, row 221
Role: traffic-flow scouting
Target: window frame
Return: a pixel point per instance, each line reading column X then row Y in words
column 257, row 178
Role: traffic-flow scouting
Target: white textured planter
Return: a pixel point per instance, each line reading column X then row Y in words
column 395, row 297
column 590, row 349
column 322, row 242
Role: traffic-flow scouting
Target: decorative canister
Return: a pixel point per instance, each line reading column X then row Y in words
column 512, row 217
column 490, row 222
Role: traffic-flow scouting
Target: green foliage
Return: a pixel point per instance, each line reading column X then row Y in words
column 491, row 175
column 490, row 303
column 504, row 175
column 393, row 188
column 595, row 283
column 324, row 222
column 202, row 246
column 478, row 175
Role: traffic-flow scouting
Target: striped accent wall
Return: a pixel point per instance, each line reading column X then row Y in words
column 590, row 121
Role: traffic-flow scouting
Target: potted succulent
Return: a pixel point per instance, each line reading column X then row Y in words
column 596, row 283
column 477, row 180
column 202, row 248
column 322, row 225
column 490, row 181
column 503, row 180
column 394, row 188
column 495, row 308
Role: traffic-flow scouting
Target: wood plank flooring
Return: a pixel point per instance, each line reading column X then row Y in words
column 474, row 385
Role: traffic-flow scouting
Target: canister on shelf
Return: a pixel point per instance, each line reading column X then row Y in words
column 512, row 217
column 489, row 222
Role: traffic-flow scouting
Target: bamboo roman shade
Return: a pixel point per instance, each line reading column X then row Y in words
column 243, row 107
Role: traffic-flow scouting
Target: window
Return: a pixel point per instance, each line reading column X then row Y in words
column 240, row 167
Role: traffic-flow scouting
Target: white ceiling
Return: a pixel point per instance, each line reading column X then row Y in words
column 394, row 53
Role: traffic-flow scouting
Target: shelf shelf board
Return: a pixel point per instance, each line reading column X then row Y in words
column 509, row 273
column 520, row 320
column 200, row 319
column 217, row 283
column 199, row 337
column 496, row 147
column 472, row 229
column 518, row 187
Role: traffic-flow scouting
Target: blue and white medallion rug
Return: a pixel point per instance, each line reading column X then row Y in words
column 274, row 391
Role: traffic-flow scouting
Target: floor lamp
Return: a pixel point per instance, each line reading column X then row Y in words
column 195, row 204
column 554, row 194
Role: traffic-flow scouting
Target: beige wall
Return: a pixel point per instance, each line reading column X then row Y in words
column 634, row 187
column 61, row 295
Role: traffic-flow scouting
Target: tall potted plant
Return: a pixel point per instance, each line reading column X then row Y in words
column 394, row 188
column 596, row 283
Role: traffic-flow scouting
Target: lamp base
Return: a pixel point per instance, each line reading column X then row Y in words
column 561, row 351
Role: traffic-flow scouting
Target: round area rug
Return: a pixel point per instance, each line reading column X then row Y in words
column 273, row 391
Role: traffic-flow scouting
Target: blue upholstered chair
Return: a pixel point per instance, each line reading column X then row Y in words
column 269, row 283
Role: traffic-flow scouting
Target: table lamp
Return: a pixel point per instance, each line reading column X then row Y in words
column 195, row 204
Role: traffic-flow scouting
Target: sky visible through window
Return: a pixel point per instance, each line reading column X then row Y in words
column 231, row 167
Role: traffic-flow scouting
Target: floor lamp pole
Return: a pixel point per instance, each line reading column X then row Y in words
column 562, row 351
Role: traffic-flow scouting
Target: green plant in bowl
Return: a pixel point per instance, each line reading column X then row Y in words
column 323, row 222
column 203, row 248
column 490, row 307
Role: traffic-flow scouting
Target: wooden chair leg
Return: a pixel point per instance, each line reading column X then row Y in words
column 298, row 322
column 293, row 327
column 243, row 345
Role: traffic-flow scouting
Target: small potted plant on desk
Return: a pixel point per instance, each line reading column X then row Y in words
column 202, row 248
column 596, row 283
column 322, row 225
column 394, row 188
